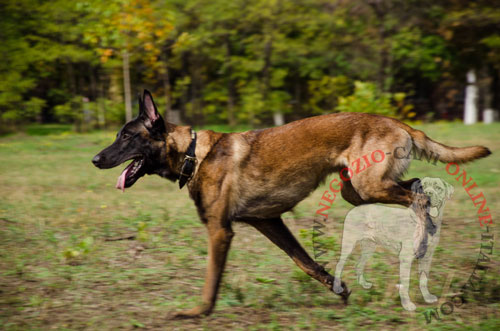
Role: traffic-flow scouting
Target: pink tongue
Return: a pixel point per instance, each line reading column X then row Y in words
column 120, row 184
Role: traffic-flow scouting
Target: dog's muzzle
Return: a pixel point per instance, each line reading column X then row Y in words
column 433, row 196
column 96, row 160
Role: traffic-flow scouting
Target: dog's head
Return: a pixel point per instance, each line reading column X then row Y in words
column 141, row 140
column 435, row 188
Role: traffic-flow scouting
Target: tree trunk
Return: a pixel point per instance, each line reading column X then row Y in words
column 71, row 78
column 72, row 86
column 495, row 103
column 278, row 118
column 384, row 59
column 266, row 71
column 196, row 90
column 166, row 88
column 101, row 108
column 297, row 104
column 380, row 10
column 93, row 94
column 126, row 86
column 231, row 91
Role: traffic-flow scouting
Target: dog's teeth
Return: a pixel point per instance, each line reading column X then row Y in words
column 135, row 167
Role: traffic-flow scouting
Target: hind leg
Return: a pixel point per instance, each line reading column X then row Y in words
column 276, row 231
column 383, row 191
column 407, row 184
column 367, row 249
column 350, row 195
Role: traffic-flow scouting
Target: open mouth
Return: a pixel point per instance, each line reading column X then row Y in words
column 130, row 174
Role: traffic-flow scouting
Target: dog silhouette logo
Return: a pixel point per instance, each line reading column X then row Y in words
column 395, row 228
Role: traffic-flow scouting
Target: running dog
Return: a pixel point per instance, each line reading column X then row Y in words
column 256, row 176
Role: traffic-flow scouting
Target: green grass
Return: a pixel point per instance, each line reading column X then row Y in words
column 58, row 269
column 47, row 129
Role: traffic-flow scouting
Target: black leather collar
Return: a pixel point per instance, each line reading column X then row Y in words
column 189, row 163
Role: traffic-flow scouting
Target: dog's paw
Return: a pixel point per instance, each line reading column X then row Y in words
column 183, row 314
column 190, row 313
column 345, row 296
column 364, row 283
column 337, row 288
column 430, row 298
column 408, row 305
column 340, row 288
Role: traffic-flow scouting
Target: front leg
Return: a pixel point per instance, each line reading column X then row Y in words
column 405, row 260
column 423, row 269
column 218, row 246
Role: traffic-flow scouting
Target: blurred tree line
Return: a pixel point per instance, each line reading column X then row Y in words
column 243, row 61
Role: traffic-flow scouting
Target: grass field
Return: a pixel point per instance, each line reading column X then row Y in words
column 75, row 253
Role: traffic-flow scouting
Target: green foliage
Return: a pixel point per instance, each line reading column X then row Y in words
column 367, row 99
column 70, row 111
column 33, row 108
column 236, row 62
column 325, row 92
column 415, row 52
column 36, row 38
column 28, row 111
column 252, row 103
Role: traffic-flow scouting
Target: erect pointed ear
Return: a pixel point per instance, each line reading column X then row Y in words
column 148, row 109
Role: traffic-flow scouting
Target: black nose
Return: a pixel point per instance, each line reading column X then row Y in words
column 96, row 160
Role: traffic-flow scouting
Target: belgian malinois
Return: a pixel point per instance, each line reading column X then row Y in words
column 256, row 176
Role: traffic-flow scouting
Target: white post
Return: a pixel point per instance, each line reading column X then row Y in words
column 470, row 111
column 278, row 118
column 490, row 116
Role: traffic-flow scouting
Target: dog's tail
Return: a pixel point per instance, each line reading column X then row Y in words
column 443, row 153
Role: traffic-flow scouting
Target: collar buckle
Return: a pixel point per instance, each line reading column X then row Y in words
column 189, row 162
column 187, row 159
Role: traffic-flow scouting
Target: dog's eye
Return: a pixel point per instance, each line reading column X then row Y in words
column 125, row 135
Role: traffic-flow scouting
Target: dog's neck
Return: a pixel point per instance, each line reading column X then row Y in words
column 177, row 143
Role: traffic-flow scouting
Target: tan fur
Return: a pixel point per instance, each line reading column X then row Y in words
column 255, row 176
